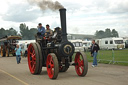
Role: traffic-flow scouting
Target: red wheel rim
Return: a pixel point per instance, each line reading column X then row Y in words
column 31, row 58
column 80, row 64
column 50, row 66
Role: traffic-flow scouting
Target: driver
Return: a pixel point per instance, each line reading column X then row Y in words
column 41, row 30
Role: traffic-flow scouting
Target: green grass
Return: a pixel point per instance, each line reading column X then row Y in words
column 106, row 57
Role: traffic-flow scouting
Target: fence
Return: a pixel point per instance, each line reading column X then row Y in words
column 111, row 56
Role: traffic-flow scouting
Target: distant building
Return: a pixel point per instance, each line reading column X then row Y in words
column 80, row 36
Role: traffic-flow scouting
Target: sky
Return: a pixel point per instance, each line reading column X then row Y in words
column 83, row 16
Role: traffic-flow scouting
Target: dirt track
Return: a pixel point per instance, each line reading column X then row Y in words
column 14, row 74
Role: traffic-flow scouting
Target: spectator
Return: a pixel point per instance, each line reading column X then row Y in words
column 94, row 52
column 18, row 53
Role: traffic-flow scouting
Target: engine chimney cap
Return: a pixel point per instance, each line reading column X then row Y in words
column 62, row 9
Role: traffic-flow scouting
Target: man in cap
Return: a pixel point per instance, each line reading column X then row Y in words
column 41, row 30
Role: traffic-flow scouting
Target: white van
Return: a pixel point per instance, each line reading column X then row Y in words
column 87, row 45
column 111, row 43
column 24, row 44
column 78, row 45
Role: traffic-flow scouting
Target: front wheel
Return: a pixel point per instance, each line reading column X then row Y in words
column 34, row 59
column 52, row 66
column 81, row 62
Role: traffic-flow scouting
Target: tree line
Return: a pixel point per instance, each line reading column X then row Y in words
column 25, row 32
column 107, row 33
column 29, row 34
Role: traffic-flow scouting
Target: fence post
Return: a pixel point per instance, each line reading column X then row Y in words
column 98, row 57
column 113, row 60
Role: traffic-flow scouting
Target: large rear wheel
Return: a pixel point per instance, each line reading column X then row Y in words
column 40, row 58
column 52, row 66
column 81, row 64
column 33, row 58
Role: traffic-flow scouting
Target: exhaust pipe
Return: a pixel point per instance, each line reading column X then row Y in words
column 63, row 24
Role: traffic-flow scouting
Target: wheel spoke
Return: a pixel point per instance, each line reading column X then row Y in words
column 31, row 53
column 33, row 67
column 82, row 68
column 82, row 63
column 78, row 59
column 52, row 65
column 52, row 71
column 33, row 63
column 30, row 61
column 51, row 60
column 49, row 71
column 34, row 58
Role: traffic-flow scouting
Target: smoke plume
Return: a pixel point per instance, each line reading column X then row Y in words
column 47, row 4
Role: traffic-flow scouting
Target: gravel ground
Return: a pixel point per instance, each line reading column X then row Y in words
column 18, row 74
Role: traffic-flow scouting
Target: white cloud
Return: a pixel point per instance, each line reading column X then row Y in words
column 21, row 13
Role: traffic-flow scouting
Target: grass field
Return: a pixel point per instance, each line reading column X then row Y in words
column 119, row 57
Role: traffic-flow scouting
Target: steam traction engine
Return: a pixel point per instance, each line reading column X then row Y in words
column 8, row 44
column 56, row 53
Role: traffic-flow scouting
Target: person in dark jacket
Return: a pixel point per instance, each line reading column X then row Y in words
column 94, row 52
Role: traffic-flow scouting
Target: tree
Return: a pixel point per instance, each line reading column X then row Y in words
column 2, row 32
column 108, row 33
column 114, row 33
column 100, row 34
column 7, row 32
column 12, row 31
column 24, row 31
column 33, row 32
